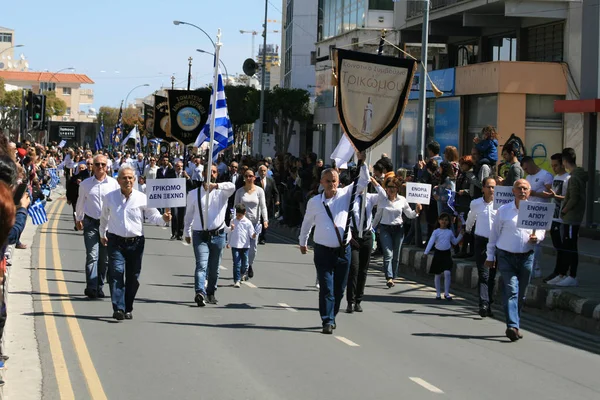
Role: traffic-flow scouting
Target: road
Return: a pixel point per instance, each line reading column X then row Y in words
column 263, row 341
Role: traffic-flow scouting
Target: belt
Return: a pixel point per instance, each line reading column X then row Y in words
column 93, row 219
column 366, row 232
column 482, row 237
column 332, row 248
column 516, row 254
column 124, row 239
column 214, row 232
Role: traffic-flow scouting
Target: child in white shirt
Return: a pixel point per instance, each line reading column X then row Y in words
column 240, row 231
column 443, row 239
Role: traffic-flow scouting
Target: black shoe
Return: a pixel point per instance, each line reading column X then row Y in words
column 250, row 272
column 327, row 329
column 179, row 237
column 512, row 334
column 483, row 311
column 199, row 299
column 490, row 313
column 128, row 315
column 173, row 237
column 349, row 309
column 212, row 299
column 90, row 293
column 262, row 241
column 333, row 326
column 358, row 308
column 119, row 315
column 100, row 294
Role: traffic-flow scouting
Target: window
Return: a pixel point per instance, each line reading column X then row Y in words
column 66, row 91
column 5, row 37
column 545, row 43
column 504, row 49
column 381, row 5
column 68, row 112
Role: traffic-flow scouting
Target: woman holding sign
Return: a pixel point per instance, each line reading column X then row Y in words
column 391, row 232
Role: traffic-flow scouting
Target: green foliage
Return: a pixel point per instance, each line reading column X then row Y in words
column 54, row 105
column 131, row 117
column 2, row 89
column 286, row 106
column 243, row 105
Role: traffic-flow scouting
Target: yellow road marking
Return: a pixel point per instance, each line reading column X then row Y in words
column 85, row 360
column 58, row 358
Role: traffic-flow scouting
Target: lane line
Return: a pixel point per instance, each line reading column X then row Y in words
column 347, row 341
column 222, row 268
column 287, row 307
column 426, row 385
column 249, row 284
column 65, row 389
column 85, row 360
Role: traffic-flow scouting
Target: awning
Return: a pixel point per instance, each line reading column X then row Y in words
column 577, row 106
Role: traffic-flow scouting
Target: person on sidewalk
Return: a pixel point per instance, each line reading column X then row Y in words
column 557, row 194
column 515, row 172
column 207, row 236
column 481, row 215
column 92, row 192
column 328, row 213
column 240, row 234
column 122, row 231
column 540, row 181
column 511, row 249
column 573, row 209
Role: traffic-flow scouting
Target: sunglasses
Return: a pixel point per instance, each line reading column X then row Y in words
column 99, row 164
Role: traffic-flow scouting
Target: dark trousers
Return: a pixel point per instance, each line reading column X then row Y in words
column 487, row 276
column 178, row 214
column 332, row 272
column 570, row 252
column 557, row 241
column 124, row 267
column 359, row 265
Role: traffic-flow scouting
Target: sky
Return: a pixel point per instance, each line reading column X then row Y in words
column 125, row 43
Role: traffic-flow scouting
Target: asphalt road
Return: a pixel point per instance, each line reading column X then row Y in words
column 263, row 341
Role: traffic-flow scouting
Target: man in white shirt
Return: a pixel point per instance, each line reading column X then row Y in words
column 328, row 213
column 557, row 194
column 512, row 248
column 540, row 181
column 122, row 230
column 140, row 165
column 207, row 233
column 87, row 217
column 482, row 211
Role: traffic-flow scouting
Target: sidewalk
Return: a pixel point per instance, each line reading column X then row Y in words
column 577, row 307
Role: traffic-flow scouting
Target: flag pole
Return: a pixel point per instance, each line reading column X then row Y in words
column 211, row 140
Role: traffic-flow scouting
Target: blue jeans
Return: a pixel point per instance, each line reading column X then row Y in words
column 124, row 267
column 208, row 252
column 332, row 273
column 515, row 270
column 391, row 237
column 240, row 263
column 96, row 255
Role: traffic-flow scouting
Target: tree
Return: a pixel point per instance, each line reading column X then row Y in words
column 286, row 106
column 10, row 109
column 243, row 106
column 54, row 105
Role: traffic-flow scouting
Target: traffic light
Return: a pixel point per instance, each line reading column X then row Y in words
column 38, row 107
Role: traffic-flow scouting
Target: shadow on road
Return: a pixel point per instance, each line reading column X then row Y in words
column 467, row 337
column 312, row 329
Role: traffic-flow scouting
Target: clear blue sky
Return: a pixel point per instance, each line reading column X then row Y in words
column 136, row 38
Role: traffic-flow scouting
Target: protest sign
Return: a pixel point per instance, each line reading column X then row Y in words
column 503, row 195
column 419, row 193
column 534, row 215
column 165, row 193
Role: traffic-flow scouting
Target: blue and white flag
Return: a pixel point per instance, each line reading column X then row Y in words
column 452, row 200
column 133, row 134
column 62, row 144
column 223, row 131
column 54, row 178
column 99, row 143
column 37, row 212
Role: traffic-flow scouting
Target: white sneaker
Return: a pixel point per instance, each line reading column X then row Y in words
column 568, row 281
column 537, row 272
column 556, row 279
column 237, row 284
column 317, row 284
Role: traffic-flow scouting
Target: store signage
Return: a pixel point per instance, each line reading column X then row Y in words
column 66, row 132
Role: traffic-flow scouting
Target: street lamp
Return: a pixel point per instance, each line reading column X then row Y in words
column 139, row 86
column 221, row 61
column 12, row 47
column 197, row 27
column 53, row 75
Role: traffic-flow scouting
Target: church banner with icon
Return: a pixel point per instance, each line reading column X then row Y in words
column 148, row 119
column 189, row 112
column 161, row 124
column 372, row 92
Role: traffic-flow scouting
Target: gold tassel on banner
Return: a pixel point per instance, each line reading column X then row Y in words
column 436, row 92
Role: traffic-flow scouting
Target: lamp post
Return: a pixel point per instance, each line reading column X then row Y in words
column 12, row 47
column 422, row 121
column 139, row 86
column 262, row 81
column 54, row 74
column 221, row 61
column 197, row 27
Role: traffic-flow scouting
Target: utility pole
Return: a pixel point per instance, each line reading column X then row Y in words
column 189, row 72
column 422, row 124
column 262, row 81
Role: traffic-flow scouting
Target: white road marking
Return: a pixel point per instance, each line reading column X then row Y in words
column 287, row 307
column 426, row 385
column 347, row 341
column 222, row 268
column 184, row 243
column 250, row 284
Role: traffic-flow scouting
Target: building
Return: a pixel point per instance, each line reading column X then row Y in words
column 67, row 87
column 8, row 61
column 272, row 65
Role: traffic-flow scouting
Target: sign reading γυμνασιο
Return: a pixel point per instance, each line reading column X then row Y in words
column 165, row 193
column 502, row 195
column 535, row 215
column 419, row 193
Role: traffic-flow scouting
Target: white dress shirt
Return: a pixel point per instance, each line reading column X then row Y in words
column 443, row 239
column 483, row 213
column 68, row 161
column 317, row 216
column 372, row 199
column 217, row 205
column 234, row 177
column 241, row 234
column 116, row 164
column 91, row 196
column 196, row 172
column 390, row 212
column 124, row 216
column 506, row 236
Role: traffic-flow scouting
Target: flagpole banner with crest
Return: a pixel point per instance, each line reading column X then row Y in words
column 188, row 111
column 372, row 92
column 160, row 126
column 148, row 118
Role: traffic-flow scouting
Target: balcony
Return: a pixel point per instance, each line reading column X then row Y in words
column 414, row 8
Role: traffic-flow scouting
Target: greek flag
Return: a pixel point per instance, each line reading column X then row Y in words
column 451, row 200
column 223, row 131
column 54, row 178
column 116, row 135
column 37, row 212
column 99, row 143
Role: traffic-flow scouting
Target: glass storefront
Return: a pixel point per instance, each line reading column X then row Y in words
column 595, row 185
